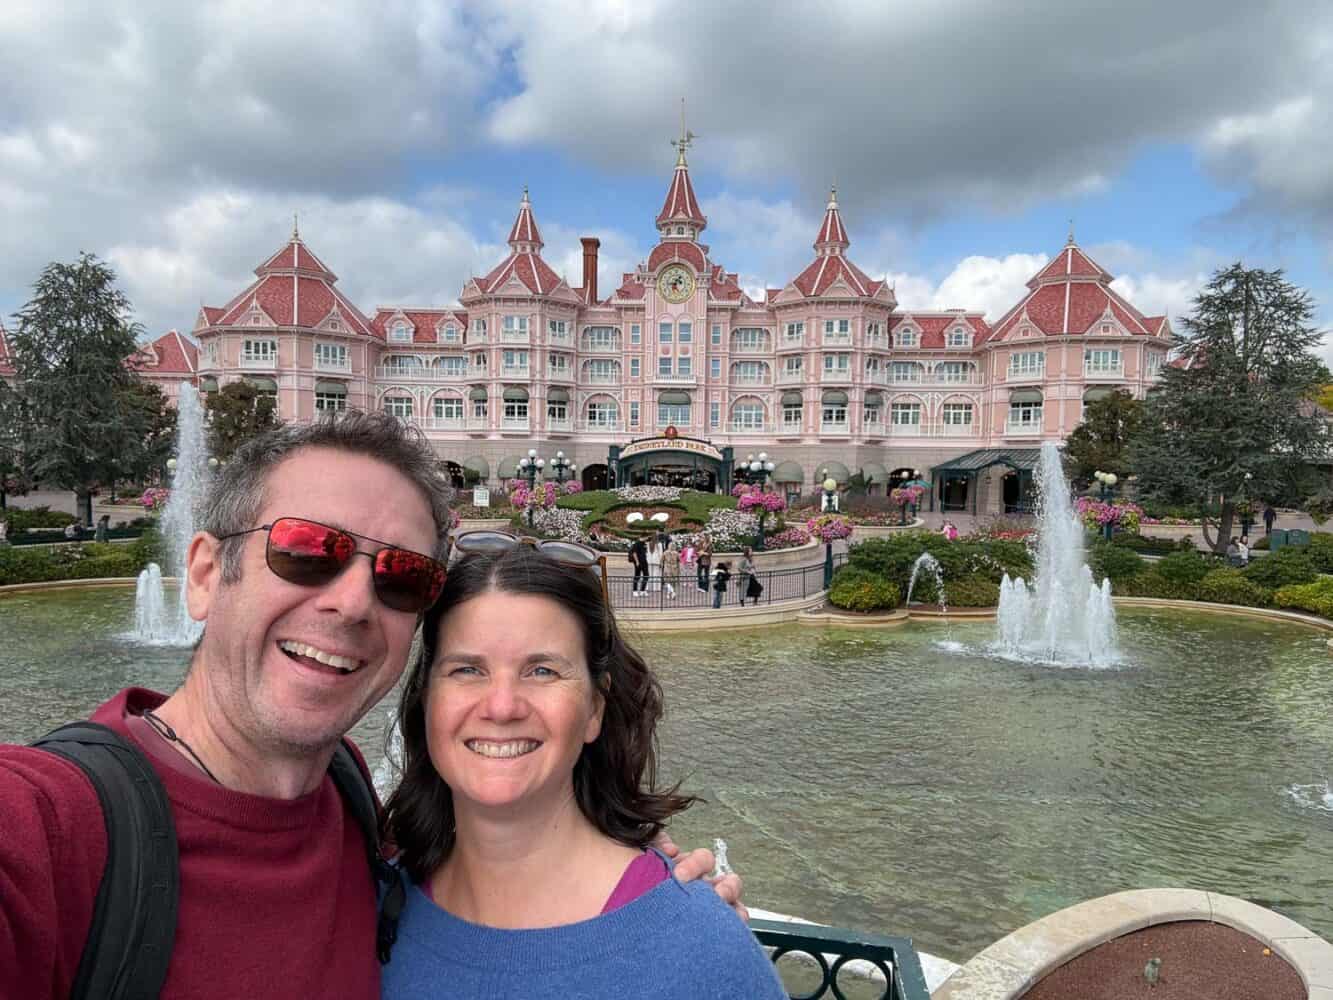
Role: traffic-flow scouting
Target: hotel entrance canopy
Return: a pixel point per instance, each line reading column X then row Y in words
column 966, row 468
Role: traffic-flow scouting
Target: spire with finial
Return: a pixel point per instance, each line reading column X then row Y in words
column 524, row 236
column 296, row 228
column 1070, row 241
column 832, row 238
column 681, row 208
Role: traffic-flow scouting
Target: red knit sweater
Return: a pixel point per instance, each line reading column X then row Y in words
column 276, row 899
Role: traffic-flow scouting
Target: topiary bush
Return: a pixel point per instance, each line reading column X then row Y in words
column 25, row 518
column 1285, row 567
column 1317, row 597
column 971, row 592
column 1184, row 569
column 1320, row 551
column 860, row 590
column 1151, row 583
column 1230, row 586
column 1114, row 561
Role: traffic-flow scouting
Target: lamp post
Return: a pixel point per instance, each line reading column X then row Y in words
column 830, row 491
column 1108, row 481
column 562, row 468
column 528, row 469
column 757, row 472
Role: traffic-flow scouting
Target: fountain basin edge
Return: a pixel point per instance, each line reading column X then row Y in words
column 1011, row 966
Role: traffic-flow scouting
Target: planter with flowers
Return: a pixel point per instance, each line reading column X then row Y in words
column 753, row 499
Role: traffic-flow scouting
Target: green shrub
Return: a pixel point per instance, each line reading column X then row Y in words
column 1151, row 583
column 25, row 518
column 1261, row 543
column 1114, row 561
column 1230, row 586
column 971, row 592
column 1320, row 551
column 1184, row 569
column 1316, row 597
column 894, row 557
column 77, row 562
column 1284, row 568
column 1147, row 544
column 859, row 590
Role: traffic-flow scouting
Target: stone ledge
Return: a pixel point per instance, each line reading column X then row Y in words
column 15, row 589
column 1008, row 968
column 682, row 619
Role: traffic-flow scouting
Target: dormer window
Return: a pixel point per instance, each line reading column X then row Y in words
column 1025, row 331
column 958, row 337
column 400, row 332
column 449, row 334
column 905, row 337
column 333, row 325
column 680, row 230
column 1106, row 328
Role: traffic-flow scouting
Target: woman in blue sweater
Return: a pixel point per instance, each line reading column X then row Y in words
column 529, row 800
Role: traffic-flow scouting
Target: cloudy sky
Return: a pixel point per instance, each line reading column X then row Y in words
column 177, row 140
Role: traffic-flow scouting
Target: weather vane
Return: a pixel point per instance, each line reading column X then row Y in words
column 686, row 137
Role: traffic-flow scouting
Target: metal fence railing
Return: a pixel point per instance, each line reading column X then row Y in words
column 895, row 958
column 689, row 590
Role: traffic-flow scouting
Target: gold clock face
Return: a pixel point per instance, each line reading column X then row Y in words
column 676, row 283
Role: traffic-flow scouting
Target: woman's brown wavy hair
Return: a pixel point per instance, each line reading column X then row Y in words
column 615, row 776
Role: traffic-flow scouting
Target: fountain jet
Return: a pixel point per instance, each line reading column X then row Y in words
column 1063, row 617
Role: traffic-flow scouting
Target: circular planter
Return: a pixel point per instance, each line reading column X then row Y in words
column 1014, row 965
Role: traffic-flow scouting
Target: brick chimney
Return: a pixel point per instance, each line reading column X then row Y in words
column 590, row 245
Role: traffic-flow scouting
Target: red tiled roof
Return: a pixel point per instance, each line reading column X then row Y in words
column 213, row 313
column 832, row 232
column 724, row 285
column 1156, row 325
column 680, row 204
column 423, row 322
column 682, row 250
column 175, row 356
column 1071, row 261
column 825, row 270
column 933, row 326
column 629, row 288
column 533, row 273
column 524, row 229
column 295, row 256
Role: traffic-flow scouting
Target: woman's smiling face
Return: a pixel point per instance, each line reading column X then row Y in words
column 511, row 702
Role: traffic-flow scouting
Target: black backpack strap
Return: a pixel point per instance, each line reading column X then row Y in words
column 133, row 927
column 354, row 784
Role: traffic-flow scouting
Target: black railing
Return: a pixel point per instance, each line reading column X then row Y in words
column 685, row 590
column 814, row 946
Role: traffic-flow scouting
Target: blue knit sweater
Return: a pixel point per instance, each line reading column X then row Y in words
column 675, row 942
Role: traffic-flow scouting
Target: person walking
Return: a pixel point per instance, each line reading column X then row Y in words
column 1243, row 550
column 1270, row 518
column 705, row 561
column 689, row 558
column 638, row 556
column 747, row 573
column 655, row 564
column 720, row 577
column 670, row 567
column 103, row 526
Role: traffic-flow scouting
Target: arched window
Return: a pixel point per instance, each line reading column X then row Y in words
column 747, row 414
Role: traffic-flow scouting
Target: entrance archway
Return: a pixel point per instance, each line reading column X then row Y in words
column 594, row 476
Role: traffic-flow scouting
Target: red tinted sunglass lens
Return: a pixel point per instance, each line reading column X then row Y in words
column 407, row 581
column 306, row 553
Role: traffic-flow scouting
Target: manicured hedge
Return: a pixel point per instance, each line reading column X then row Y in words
column 1114, row 561
column 1185, row 569
column 893, row 558
column 1148, row 545
column 22, row 519
column 859, row 590
column 1230, row 586
column 85, row 561
column 971, row 592
column 597, row 503
column 1316, row 597
column 1284, row 568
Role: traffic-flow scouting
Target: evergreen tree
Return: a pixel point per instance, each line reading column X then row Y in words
column 153, row 418
column 13, row 481
column 1101, row 441
column 69, row 354
column 235, row 414
column 1240, row 421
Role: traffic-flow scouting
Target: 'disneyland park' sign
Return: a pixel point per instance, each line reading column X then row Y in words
column 688, row 445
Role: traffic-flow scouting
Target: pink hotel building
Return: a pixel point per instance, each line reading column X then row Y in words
column 826, row 374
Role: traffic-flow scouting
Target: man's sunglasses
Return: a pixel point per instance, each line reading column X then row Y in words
column 493, row 543
column 310, row 554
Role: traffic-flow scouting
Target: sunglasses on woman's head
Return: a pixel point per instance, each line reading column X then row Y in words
column 310, row 554
column 493, row 543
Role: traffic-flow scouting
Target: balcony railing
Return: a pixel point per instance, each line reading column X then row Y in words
column 751, row 380
column 513, row 336
column 478, row 423
column 259, row 361
column 834, row 427
column 324, row 365
column 1024, row 374
column 1104, row 371
column 559, row 339
column 843, row 375
column 444, row 423
column 791, row 378
column 602, row 378
column 791, row 344
column 676, row 378
column 836, row 339
column 749, row 347
column 474, row 337
column 951, row 430
column 515, row 371
column 559, row 425
column 416, row 373
column 599, row 426
column 747, row 428
column 1022, row 428
column 880, row 343
column 905, row 430
column 790, row 427
column 514, row 423
column 560, row 374
column 601, row 346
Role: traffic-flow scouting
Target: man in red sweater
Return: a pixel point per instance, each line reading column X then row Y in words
column 275, row 896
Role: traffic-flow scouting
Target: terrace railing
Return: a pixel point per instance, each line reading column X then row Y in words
column 894, row 957
column 779, row 585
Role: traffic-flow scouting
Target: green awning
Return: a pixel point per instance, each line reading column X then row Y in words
column 874, row 398
column 261, row 383
column 514, row 394
column 788, row 472
column 557, row 395
column 1098, row 392
column 835, row 397
column 330, row 388
column 1025, row 396
column 873, row 472
column 984, row 458
column 478, row 465
column 792, row 399
column 674, row 398
column 477, row 393
column 835, row 470
column 208, row 384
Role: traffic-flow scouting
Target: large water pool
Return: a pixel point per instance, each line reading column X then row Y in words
column 905, row 781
